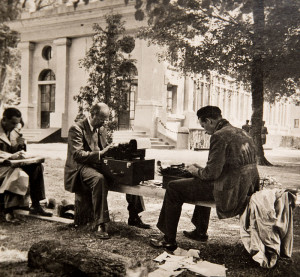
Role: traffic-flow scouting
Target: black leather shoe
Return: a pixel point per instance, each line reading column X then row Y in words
column 101, row 233
column 38, row 210
column 163, row 243
column 195, row 235
column 137, row 222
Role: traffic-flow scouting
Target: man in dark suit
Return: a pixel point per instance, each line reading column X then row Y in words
column 247, row 127
column 16, row 182
column 264, row 132
column 229, row 178
column 86, row 145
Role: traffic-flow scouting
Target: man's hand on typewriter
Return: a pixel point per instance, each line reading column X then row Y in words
column 193, row 169
column 107, row 148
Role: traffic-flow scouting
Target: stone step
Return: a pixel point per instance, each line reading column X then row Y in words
column 129, row 133
column 38, row 135
column 156, row 143
column 159, row 143
column 163, row 146
column 129, row 137
column 156, row 139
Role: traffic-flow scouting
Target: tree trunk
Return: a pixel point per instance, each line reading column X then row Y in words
column 257, row 79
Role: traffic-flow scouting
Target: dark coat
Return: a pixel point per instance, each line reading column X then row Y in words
column 82, row 150
column 231, row 167
column 5, row 144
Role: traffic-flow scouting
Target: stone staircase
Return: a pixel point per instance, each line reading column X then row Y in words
column 41, row 135
column 156, row 143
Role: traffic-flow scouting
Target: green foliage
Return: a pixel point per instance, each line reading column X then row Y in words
column 8, row 40
column 110, row 72
column 254, row 41
column 11, row 90
column 219, row 35
column 9, row 10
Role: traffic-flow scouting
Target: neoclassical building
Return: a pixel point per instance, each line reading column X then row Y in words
column 162, row 100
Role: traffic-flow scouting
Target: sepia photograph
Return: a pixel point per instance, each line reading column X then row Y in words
column 149, row 138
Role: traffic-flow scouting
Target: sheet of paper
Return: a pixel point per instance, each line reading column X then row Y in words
column 163, row 273
column 208, row 269
column 161, row 257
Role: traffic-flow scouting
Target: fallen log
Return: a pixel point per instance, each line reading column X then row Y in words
column 76, row 260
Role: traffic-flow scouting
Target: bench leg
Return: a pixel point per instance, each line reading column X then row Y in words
column 83, row 213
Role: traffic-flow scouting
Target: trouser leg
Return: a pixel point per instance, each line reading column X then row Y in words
column 12, row 201
column 201, row 218
column 97, row 184
column 170, row 212
column 36, row 182
column 135, row 205
column 178, row 192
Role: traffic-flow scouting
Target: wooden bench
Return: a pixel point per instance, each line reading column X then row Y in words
column 153, row 192
column 83, row 202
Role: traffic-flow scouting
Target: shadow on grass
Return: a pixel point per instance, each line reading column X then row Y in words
column 134, row 243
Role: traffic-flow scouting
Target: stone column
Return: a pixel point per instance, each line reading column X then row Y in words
column 60, row 117
column 26, row 106
column 188, row 101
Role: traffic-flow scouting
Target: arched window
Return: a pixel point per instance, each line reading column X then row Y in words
column 47, row 90
column 47, row 75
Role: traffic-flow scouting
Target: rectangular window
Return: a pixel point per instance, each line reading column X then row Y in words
column 48, row 98
column 171, row 99
column 296, row 123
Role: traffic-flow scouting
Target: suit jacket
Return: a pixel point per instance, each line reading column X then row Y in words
column 231, row 168
column 83, row 150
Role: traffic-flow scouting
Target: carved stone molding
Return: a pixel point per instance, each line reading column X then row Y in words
column 26, row 45
column 63, row 41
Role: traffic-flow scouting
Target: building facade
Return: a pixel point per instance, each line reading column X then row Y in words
column 162, row 100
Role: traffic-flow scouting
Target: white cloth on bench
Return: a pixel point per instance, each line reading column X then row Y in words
column 266, row 226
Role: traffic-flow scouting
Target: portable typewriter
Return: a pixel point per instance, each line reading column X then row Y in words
column 126, row 163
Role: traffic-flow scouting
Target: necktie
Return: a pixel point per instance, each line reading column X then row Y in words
column 96, row 134
column 95, row 140
column 99, row 142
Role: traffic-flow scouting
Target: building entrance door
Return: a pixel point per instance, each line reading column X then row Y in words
column 47, row 90
column 47, row 104
column 126, row 118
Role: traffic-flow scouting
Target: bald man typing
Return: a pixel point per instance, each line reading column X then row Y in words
column 86, row 145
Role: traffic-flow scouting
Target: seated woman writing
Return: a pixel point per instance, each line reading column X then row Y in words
column 16, row 183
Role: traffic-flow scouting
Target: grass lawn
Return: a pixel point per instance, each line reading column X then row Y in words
column 223, row 247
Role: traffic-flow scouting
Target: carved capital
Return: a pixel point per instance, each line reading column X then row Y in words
column 63, row 41
column 26, row 45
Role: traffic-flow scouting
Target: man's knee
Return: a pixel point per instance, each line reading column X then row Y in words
column 173, row 189
column 93, row 179
column 174, row 185
column 101, row 181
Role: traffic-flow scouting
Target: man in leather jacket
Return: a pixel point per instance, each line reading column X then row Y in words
column 229, row 178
